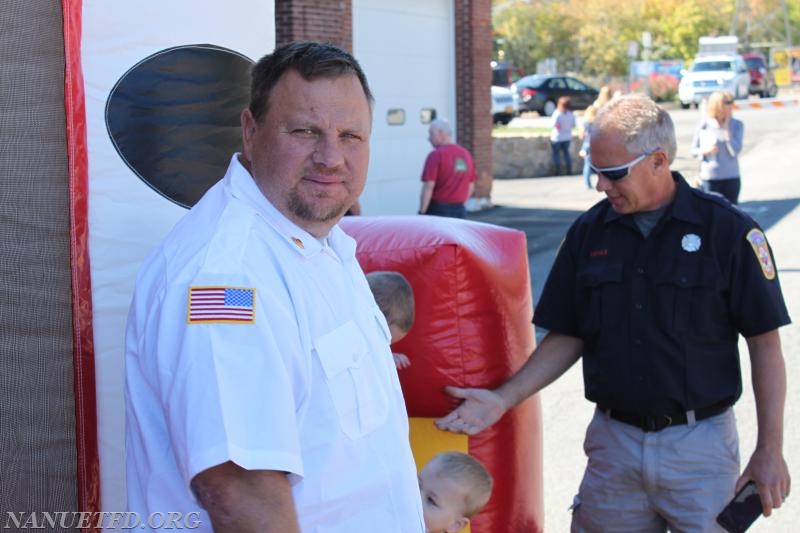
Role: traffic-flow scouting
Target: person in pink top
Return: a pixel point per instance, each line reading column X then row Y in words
column 449, row 174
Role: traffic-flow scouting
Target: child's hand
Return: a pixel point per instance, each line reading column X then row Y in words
column 401, row 360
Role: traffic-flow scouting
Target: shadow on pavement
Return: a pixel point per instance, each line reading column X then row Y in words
column 769, row 212
column 544, row 228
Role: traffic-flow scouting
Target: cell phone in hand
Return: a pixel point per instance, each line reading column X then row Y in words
column 742, row 510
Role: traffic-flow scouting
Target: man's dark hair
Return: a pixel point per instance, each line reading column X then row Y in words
column 311, row 60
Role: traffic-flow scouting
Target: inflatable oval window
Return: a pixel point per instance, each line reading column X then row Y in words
column 174, row 118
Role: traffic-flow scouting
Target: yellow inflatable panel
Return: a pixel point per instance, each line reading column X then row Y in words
column 427, row 440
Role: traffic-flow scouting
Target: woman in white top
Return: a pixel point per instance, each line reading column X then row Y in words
column 561, row 135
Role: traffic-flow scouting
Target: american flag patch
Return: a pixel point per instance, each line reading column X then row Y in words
column 221, row 305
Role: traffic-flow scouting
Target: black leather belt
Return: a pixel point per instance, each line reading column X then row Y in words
column 658, row 422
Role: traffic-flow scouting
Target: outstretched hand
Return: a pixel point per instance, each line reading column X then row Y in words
column 480, row 409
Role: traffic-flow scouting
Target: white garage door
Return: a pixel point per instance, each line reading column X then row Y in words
column 407, row 51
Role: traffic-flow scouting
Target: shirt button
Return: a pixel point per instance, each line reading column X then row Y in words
column 638, row 307
column 639, row 270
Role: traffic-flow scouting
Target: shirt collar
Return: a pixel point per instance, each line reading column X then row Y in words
column 244, row 188
column 682, row 206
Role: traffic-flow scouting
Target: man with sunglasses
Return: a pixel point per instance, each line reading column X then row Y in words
column 651, row 288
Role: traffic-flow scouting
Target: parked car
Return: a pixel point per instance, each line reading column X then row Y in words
column 762, row 80
column 505, row 105
column 714, row 73
column 540, row 92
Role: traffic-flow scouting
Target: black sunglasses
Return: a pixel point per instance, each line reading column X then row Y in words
column 621, row 171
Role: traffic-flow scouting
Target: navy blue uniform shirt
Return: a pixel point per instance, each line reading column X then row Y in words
column 660, row 316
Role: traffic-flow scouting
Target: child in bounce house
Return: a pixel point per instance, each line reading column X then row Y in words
column 395, row 299
column 454, row 486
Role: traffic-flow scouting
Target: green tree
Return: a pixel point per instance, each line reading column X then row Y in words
column 677, row 25
column 592, row 36
column 537, row 30
column 606, row 29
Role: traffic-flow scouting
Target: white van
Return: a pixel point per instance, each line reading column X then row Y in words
column 711, row 73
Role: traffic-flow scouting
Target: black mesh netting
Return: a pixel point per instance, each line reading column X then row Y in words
column 37, row 435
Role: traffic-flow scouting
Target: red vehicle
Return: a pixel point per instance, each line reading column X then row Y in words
column 503, row 74
column 762, row 80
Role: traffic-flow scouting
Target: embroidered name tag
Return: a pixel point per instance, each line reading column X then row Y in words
column 758, row 242
column 221, row 305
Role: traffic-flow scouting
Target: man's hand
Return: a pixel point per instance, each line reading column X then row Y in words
column 480, row 409
column 401, row 360
column 769, row 471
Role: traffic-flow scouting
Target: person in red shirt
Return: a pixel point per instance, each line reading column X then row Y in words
column 449, row 174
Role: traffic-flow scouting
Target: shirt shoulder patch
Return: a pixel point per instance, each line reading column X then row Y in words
column 221, row 305
column 758, row 241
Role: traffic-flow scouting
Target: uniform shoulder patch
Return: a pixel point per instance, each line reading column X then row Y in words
column 758, row 241
column 221, row 305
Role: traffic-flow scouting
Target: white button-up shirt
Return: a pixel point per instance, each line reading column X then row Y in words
column 291, row 372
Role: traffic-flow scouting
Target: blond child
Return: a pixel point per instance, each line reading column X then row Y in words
column 454, row 486
column 395, row 298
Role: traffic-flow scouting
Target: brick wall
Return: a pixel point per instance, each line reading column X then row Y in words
column 317, row 20
column 473, row 47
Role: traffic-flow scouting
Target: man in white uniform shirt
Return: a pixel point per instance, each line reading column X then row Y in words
column 261, row 393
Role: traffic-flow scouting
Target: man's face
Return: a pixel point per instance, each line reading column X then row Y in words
column 310, row 152
column 442, row 501
column 641, row 190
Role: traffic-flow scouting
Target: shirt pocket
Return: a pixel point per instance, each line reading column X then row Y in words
column 600, row 297
column 354, row 383
column 686, row 296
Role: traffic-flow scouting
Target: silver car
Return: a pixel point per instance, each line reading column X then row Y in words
column 714, row 73
column 505, row 105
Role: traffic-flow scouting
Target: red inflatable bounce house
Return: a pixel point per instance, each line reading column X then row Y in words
column 472, row 328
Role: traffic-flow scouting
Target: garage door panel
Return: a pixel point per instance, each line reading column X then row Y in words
column 407, row 54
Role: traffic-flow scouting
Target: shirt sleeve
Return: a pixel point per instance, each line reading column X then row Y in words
column 430, row 170
column 736, row 140
column 556, row 308
column 757, row 303
column 229, row 393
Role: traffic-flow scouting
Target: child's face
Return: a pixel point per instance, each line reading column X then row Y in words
column 442, row 501
column 397, row 332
